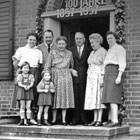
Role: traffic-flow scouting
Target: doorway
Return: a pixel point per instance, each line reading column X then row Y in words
column 87, row 26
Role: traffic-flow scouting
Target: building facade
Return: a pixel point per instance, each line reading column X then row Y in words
column 65, row 17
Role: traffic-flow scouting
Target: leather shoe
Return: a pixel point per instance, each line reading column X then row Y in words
column 93, row 123
column 53, row 123
column 21, row 122
column 73, row 123
column 64, row 123
column 106, row 123
column 85, row 124
column 46, row 123
column 39, row 122
column 99, row 124
column 113, row 124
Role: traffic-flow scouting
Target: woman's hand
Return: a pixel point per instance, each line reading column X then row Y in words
column 102, row 80
column 46, row 90
column 52, row 90
column 118, row 80
column 28, row 87
column 25, row 87
column 74, row 72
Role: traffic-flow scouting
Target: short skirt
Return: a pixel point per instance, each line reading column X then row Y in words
column 45, row 99
column 111, row 91
column 23, row 94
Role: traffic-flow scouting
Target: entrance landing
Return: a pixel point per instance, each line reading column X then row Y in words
column 78, row 132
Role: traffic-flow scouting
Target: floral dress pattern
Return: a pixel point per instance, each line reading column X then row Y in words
column 62, row 78
column 93, row 95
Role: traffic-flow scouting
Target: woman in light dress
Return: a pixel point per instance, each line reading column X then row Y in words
column 94, row 85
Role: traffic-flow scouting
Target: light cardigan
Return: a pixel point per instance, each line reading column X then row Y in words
column 116, row 55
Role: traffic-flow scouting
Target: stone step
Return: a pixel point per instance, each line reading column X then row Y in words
column 78, row 132
column 26, row 138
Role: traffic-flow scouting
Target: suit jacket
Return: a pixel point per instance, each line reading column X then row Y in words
column 80, row 64
column 43, row 48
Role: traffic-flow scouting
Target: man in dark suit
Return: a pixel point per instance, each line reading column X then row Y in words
column 80, row 56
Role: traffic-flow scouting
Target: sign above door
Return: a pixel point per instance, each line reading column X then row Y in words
column 86, row 7
column 72, row 8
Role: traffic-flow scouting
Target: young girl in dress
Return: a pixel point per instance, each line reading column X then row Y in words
column 45, row 89
column 25, row 82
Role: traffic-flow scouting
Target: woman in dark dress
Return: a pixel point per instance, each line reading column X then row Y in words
column 115, row 64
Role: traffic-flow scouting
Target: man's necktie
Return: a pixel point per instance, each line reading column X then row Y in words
column 79, row 52
column 48, row 48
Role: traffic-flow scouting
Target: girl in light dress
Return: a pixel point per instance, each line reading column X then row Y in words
column 25, row 82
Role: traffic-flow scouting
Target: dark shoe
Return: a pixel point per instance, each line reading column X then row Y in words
column 65, row 124
column 46, row 123
column 21, row 122
column 53, row 123
column 73, row 123
column 113, row 124
column 39, row 122
column 85, row 124
column 106, row 123
column 99, row 124
column 28, row 122
column 93, row 123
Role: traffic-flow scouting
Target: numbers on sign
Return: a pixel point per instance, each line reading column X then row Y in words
column 71, row 3
column 67, row 12
column 88, row 10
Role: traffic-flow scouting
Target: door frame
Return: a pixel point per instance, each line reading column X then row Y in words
column 52, row 22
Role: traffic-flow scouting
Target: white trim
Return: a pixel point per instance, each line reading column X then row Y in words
column 112, row 21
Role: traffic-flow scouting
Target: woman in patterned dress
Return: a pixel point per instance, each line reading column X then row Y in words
column 60, row 62
column 94, row 79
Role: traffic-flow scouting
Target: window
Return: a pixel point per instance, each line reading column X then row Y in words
column 6, row 39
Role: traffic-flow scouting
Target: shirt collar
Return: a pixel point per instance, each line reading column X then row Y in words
column 27, row 46
column 50, row 44
column 81, row 46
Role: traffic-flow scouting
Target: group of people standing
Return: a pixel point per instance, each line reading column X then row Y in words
column 80, row 78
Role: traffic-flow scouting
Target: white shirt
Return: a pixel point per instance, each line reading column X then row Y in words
column 116, row 55
column 32, row 55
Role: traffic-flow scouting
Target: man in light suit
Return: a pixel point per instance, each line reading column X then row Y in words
column 45, row 48
column 80, row 56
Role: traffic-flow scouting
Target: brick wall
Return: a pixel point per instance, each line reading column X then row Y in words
column 6, row 92
column 25, row 15
column 132, row 82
